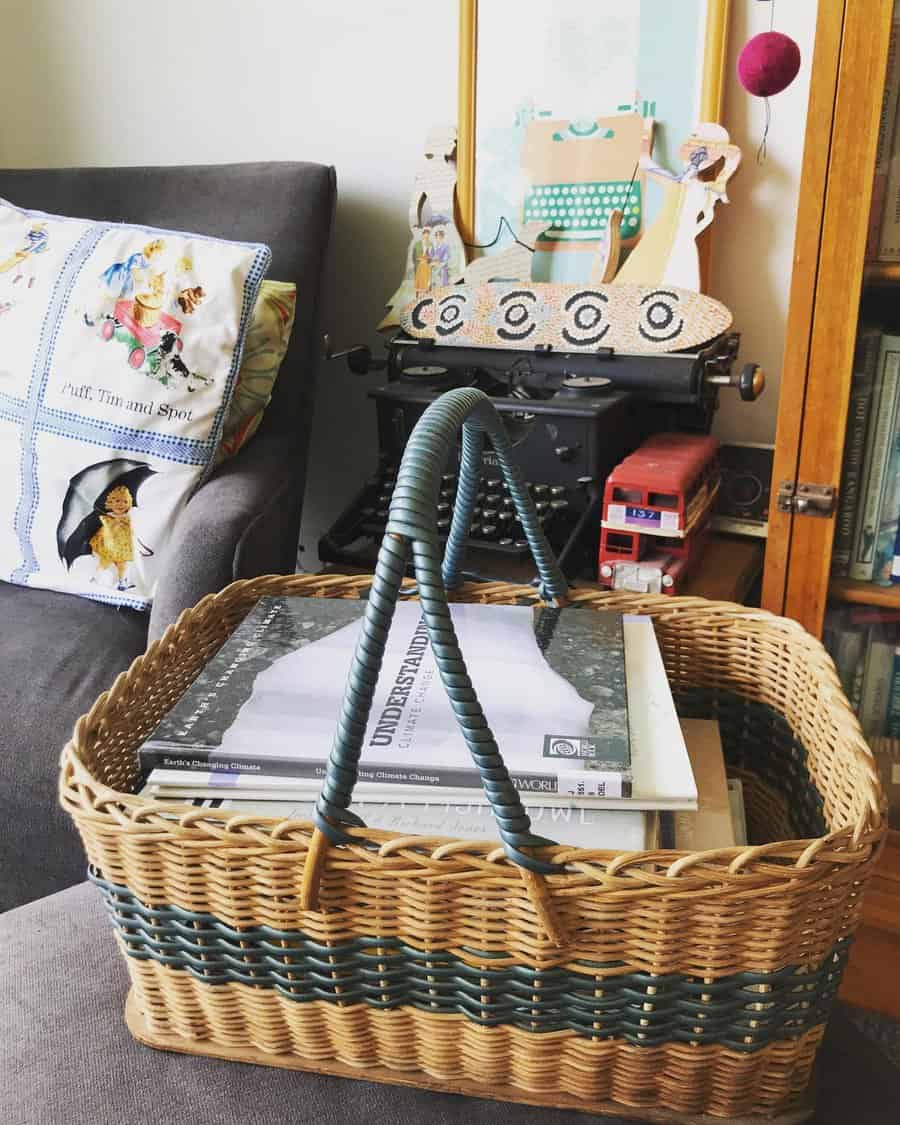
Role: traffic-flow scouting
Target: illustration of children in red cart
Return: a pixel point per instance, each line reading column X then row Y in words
column 139, row 294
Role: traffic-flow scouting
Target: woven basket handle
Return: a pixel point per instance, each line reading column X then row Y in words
column 412, row 525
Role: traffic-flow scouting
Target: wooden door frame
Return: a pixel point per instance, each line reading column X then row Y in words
column 841, row 135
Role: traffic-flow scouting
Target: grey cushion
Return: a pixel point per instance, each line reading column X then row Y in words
column 66, row 1055
column 57, row 653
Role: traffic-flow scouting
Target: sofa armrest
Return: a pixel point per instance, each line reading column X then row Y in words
column 242, row 523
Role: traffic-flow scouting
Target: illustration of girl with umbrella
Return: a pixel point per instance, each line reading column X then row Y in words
column 106, row 492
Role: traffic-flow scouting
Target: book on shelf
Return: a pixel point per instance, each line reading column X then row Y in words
column 879, row 446
column 886, row 142
column 846, row 643
column 888, row 516
column 717, row 823
column 878, row 679
column 886, row 752
column 865, row 363
column 578, row 701
column 892, row 719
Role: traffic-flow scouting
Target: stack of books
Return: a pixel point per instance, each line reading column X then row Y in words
column 578, row 702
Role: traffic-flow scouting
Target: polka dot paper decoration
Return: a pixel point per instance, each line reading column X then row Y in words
column 768, row 64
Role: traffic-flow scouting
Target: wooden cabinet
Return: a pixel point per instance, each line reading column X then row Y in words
column 830, row 278
column 829, row 271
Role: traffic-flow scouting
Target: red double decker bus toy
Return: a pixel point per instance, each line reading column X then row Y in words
column 656, row 511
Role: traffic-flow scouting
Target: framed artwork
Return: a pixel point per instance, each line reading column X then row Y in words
column 559, row 101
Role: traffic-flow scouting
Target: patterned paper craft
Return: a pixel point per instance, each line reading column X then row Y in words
column 667, row 252
column 577, row 173
column 119, row 349
column 436, row 255
column 513, row 263
column 574, row 318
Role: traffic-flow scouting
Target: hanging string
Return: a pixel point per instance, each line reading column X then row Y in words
column 761, row 151
column 504, row 222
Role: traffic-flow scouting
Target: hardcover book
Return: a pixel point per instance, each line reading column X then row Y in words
column 551, row 682
column 879, row 445
column 865, row 364
column 661, row 772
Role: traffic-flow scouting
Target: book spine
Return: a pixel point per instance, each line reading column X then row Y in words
column 876, row 688
column 880, row 444
column 895, row 567
column 893, row 710
column 848, row 653
column 859, row 674
column 571, row 783
column 889, row 516
column 862, row 388
column 883, row 151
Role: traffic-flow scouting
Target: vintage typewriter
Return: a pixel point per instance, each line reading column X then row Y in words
column 571, row 417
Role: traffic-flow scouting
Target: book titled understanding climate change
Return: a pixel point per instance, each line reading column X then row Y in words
column 577, row 700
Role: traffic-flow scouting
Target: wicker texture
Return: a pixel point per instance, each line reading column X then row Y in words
column 779, row 903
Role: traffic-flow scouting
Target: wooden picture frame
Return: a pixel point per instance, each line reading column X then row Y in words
column 714, row 14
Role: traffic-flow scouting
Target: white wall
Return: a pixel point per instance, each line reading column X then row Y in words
column 356, row 84
column 754, row 234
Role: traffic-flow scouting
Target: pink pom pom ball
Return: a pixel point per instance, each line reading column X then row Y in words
column 768, row 64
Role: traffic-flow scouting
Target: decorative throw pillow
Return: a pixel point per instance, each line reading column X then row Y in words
column 264, row 348
column 119, row 350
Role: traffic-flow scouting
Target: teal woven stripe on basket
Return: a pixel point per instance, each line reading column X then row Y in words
column 744, row 1011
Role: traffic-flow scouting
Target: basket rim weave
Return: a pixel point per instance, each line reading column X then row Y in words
column 741, row 870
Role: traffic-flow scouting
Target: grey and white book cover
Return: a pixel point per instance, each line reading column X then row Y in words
column 551, row 683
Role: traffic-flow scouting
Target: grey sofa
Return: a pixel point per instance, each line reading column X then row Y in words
column 58, row 652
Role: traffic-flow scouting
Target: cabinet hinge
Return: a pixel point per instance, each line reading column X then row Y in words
column 806, row 499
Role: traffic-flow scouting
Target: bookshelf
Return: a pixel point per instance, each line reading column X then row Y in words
column 864, row 593
column 881, row 273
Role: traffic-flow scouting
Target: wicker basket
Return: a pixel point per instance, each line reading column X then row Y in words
column 658, row 984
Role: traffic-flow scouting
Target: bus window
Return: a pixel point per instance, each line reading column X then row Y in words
column 628, row 495
column 662, row 500
column 619, row 543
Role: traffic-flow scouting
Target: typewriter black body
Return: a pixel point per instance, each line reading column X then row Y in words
column 571, row 418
